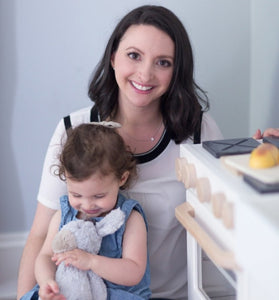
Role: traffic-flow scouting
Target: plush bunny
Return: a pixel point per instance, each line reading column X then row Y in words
column 77, row 284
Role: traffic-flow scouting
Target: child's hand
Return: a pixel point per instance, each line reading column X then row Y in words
column 77, row 258
column 50, row 291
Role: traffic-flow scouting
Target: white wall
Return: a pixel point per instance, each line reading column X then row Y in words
column 265, row 64
column 48, row 51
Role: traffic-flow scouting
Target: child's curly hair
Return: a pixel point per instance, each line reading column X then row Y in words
column 95, row 148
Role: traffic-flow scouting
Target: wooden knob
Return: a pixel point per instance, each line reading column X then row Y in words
column 228, row 214
column 217, row 201
column 189, row 176
column 203, row 189
column 179, row 165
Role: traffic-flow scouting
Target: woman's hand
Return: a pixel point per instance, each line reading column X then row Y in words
column 268, row 132
column 77, row 258
column 50, row 291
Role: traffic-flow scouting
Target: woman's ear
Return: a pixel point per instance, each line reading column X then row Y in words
column 124, row 178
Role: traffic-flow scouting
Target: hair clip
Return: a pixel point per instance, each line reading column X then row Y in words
column 109, row 124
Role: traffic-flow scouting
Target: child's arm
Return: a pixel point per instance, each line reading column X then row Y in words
column 127, row 270
column 45, row 268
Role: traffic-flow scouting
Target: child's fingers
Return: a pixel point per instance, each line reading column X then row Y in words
column 66, row 257
column 54, row 287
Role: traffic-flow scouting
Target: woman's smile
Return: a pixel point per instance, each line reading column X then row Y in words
column 141, row 87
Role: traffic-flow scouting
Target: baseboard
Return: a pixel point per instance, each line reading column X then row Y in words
column 11, row 246
column 13, row 239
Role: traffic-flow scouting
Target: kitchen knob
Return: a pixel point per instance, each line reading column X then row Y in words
column 180, row 164
column 203, row 189
column 189, row 176
column 228, row 215
column 217, row 201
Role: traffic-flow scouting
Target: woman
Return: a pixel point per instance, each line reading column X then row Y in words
column 145, row 82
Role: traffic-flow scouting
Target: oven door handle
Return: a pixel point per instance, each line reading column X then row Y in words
column 185, row 214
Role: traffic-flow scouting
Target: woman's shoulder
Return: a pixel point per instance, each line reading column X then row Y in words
column 59, row 135
column 75, row 118
column 80, row 116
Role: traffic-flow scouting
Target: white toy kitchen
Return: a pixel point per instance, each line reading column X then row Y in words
column 232, row 229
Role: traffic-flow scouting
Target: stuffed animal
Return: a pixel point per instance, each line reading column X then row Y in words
column 77, row 284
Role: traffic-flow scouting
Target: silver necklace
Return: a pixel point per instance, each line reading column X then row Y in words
column 148, row 140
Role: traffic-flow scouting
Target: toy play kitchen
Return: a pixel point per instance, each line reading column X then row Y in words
column 232, row 220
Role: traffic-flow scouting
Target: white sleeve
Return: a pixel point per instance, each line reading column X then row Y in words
column 51, row 186
column 209, row 129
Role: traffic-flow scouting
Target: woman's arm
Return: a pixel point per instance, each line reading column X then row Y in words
column 38, row 232
column 51, row 188
column 45, row 268
column 127, row 270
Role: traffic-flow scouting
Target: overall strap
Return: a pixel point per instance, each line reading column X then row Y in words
column 197, row 134
column 94, row 117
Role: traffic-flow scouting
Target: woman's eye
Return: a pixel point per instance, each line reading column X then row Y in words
column 133, row 55
column 164, row 63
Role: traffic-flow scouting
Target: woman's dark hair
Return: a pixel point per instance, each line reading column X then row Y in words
column 95, row 148
column 182, row 103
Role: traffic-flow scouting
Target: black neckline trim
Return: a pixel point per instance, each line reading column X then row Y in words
column 147, row 156
column 156, row 151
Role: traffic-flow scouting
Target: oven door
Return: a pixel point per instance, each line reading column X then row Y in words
column 207, row 278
